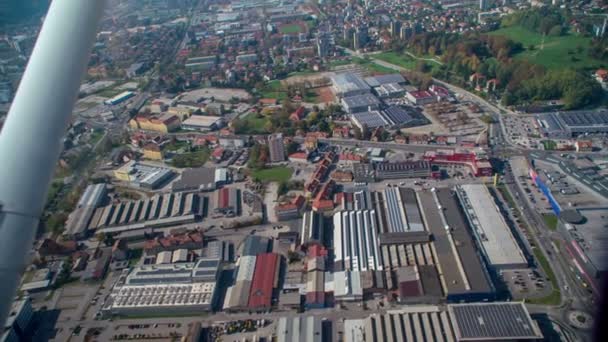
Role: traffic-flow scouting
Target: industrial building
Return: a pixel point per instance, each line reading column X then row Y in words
column 348, row 84
column 78, row 221
column 203, row 123
column 228, row 201
column 237, row 295
column 421, row 97
column 404, row 169
column 400, row 117
column 168, row 288
column 355, row 241
column 199, row 179
column 369, row 120
column 143, row 176
column 360, row 103
column 264, row 282
column 313, row 228
column 155, row 212
column 502, row 321
column 586, row 243
column 476, row 160
column 462, row 273
column 389, row 90
column 574, row 123
column 16, row 327
column 379, row 80
column 118, row 99
column 425, row 247
column 276, row 147
column 493, row 235
column 493, row 321
column 300, row 328
column 347, row 286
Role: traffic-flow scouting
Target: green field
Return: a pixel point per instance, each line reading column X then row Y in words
column 401, row 60
column 373, row 67
column 276, row 174
column 109, row 92
column 569, row 50
column 253, row 124
column 549, row 145
column 550, row 221
column 193, row 159
column 289, row 29
column 274, row 90
column 341, row 62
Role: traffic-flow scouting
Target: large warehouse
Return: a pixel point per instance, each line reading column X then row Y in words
column 460, row 322
column 166, row 288
column 360, row 103
column 154, row 212
column 493, row 322
column 355, row 241
column 574, row 123
column 492, row 233
column 424, row 242
column 348, row 84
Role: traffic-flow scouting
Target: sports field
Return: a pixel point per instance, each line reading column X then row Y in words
column 290, row 29
column 553, row 52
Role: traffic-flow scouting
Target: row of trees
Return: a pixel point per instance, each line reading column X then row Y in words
column 545, row 21
column 492, row 56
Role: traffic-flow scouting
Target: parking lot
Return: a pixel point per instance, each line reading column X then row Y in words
column 525, row 283
column 522, row 131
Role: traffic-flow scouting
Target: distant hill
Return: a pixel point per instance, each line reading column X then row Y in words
column 16, row 11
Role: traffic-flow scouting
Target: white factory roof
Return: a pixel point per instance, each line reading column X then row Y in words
column 180, row 255
column 355, row 240
column 490, row 227
column 246, row 267
column 164, row 257
column 164, row 295
column 202, row 121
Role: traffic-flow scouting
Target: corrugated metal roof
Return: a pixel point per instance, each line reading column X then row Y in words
column 263, row 281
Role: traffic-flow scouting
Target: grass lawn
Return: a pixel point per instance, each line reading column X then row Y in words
column 339, row 63
column 554, row 297
column 403, row 60
column 373, row 67
column 549, row 145
column 302, row 73
column 274, row 90
column 550, row 221
column 54, row 189
column 288, row 29
column 193, row 159
column 558, row 52
column 254, row 125
column 177, row 145
column 109, row 92
column 275, row 174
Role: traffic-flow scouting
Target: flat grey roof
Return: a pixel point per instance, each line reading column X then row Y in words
column 361, row 100
column 474, row 269
column 452, row 278
column 489, row 225
column 398, row 115
column 375, row 81
column 202, row 177
column 584, row 118
column 371, row 119
column 493, row 322
column 348, row 82
column 593, row 236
